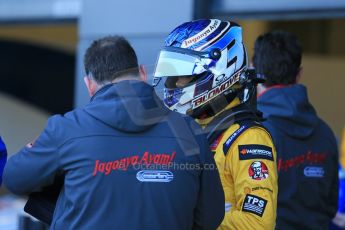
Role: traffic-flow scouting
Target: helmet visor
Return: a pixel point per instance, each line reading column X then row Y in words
column 172, row 64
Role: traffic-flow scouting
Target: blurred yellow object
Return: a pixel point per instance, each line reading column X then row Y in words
column 342, row 150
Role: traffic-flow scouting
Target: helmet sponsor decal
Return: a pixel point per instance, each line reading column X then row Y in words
column 214, row 92
column 314, row 172
column 220, row 78
column 155, row 176
column 247, row 152
column 254, row 204
column 258, row 170
column 214, row 24
column 216, row 38
column 171, row 97
column 155, row 81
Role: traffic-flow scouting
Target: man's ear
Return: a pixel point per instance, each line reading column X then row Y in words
column 142, row 73
column 91, row 86
column 299, row 75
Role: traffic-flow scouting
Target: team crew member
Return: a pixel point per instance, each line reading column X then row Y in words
column 3, row 158
column 306, row 147
column 121, row 156
column 204, row 70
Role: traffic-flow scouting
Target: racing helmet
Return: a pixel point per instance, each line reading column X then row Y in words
column 209, row 57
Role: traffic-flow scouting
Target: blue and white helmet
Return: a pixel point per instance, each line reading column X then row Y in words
column 211, row 53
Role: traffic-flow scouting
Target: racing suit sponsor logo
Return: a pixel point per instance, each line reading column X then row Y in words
column 247, row 190
column 254, row 204
column 202, row 34
column 237, row 132
column 314, row 172
column 124, row 163
column 258, row 170
column 247, row 152
column 262, row 188
column 155, row 176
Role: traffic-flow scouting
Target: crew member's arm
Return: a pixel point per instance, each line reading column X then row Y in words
column 3, row 158
column 34, row 166
column 250, row 171
column 209, row 212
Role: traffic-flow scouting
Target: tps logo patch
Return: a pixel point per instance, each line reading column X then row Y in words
column 247, row 152
column 254, row 204
column 258, row 170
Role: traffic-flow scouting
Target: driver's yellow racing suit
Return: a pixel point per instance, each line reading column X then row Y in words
column 246, row 160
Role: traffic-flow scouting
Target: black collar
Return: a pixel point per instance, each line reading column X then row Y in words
column 235, row 115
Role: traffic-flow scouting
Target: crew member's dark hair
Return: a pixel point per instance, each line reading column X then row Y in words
column 110, row 57
column 277, row 56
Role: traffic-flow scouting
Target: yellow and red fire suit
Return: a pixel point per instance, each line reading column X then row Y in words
column 246, row 160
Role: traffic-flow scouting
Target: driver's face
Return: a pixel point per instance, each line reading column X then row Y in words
column 183, row 81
